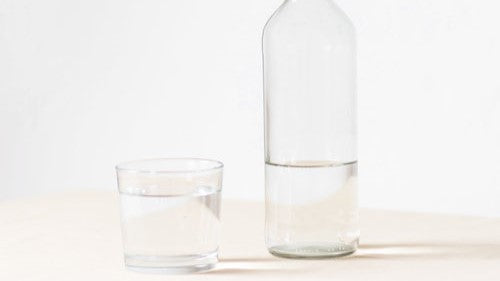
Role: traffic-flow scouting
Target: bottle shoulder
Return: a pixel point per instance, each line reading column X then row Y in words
column 309, row 15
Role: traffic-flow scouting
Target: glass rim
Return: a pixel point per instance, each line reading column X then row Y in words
column 214, row 165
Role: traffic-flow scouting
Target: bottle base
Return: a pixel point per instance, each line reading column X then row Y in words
column 313, row 251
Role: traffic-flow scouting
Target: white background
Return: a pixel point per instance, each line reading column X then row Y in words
column 87, row 84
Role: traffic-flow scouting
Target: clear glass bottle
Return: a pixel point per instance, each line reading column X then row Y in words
column 310, row 131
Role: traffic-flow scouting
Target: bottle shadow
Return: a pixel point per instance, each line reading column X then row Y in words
column 383, row 251
column 427, row 250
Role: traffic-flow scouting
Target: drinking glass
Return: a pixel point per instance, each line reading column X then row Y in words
column 170, row 213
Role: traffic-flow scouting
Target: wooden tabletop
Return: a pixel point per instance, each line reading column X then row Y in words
column 76, row 236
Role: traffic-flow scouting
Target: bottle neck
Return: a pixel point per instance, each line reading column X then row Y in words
column 308, row 2
column 304, row 1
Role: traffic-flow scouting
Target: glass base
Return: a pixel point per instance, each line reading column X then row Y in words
column 313, row 251
column 171, row 264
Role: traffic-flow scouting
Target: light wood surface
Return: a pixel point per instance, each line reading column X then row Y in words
column 76, row 236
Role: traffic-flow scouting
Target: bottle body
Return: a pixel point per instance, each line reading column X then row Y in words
column 310, row 131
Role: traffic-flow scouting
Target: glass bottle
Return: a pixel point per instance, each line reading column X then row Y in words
column 310, row 131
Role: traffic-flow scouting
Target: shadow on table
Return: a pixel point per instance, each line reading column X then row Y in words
column 251, row 265
column 382, row 251
column 246, row 271
column 251, row 259
column 427, row 250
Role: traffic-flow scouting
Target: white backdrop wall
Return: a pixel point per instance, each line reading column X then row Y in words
column 87, row 84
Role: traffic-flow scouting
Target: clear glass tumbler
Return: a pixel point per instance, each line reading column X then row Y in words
column 170, row 214
column 309, row 53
